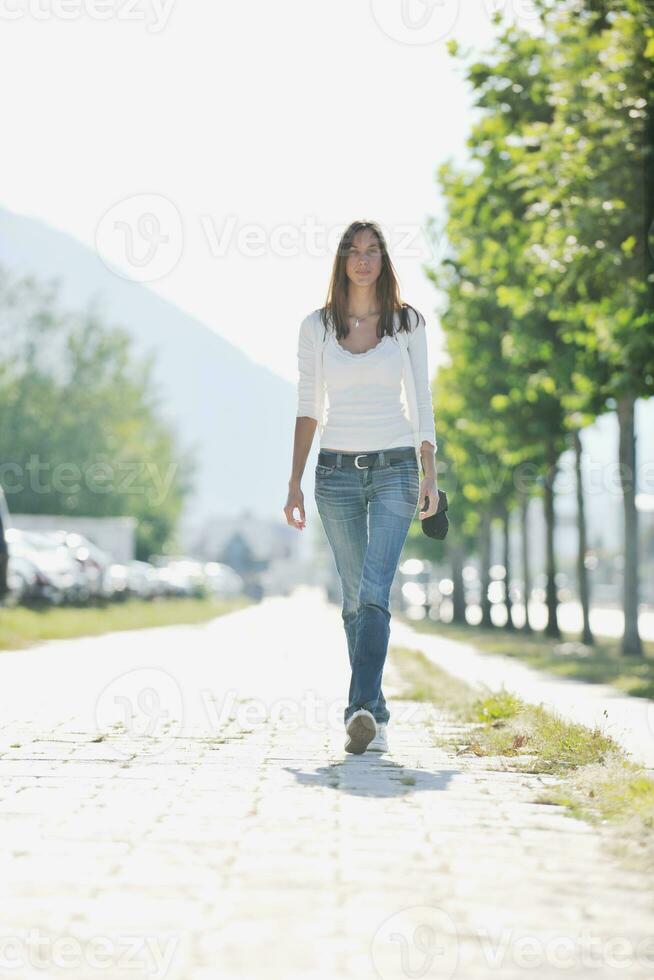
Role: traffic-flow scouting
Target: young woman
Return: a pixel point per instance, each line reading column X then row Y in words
column 367, row 482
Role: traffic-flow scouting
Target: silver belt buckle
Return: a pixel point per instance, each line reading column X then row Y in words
column 356, row 458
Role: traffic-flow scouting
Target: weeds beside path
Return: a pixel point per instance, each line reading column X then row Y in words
column 598, row 782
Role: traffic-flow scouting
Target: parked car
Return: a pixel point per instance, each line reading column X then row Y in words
column 181, row 576
column 4, row 551
column 93, row 562
column 116, row 581
column 142, row 579
column 58, row 578
column 22, row 581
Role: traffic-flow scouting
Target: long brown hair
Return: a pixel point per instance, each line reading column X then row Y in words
column 387, row 286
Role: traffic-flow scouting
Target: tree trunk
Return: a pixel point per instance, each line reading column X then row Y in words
column 631, row 643
column 458, row 589
column 524, row 546
column 506, row 527
column 484, row 575
column 552, row 627
column 582, row 571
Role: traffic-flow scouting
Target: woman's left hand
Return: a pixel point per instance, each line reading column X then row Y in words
column 429, row 489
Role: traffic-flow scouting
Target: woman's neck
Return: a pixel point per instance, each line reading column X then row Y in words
column 361, row 299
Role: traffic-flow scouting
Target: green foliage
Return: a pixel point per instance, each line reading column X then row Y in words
column 498, row 704
column 549, row 271
column 79, row 426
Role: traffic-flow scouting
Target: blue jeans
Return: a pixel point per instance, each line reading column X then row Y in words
column 366, row 514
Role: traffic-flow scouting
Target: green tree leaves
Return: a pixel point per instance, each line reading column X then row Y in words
column 80, row 430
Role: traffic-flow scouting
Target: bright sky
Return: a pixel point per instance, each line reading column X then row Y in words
column 216, row 150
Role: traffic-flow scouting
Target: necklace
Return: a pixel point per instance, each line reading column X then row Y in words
column 365, row 316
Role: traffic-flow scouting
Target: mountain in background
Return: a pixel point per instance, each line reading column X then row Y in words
column 239, row 415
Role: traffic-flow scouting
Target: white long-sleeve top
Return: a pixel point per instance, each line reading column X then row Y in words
column 378, row 399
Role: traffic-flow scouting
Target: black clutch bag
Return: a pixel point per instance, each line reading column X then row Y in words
column 437, row 524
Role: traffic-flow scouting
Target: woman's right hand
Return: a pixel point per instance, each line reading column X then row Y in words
column 295, row 499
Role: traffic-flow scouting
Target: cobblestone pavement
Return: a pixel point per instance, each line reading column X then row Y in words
column 176, row 803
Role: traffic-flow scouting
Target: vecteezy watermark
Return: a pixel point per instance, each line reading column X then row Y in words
column 143, row 703
column 141, row 237
column 310, row 711
column 35, row 950
column 429, row 21
column 598, row 477
column 310, row 237
column 153, row 13
column 131, row 477
column 583, row 950
column 147, row 703
column 422, row 942
column 417, row 942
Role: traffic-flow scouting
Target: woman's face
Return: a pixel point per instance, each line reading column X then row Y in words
column 364, row 260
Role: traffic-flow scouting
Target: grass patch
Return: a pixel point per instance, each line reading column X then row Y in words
column 497, row 705
column 547, row 742
column 602, row 663
column 501, row 723
column 21, row 626
column 427, row 682
column 617, row 794
column 597, row 782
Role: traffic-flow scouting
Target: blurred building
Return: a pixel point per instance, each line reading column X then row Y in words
column 245, row 541
column 114, row 535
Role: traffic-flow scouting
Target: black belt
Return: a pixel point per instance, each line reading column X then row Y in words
column 362, row 461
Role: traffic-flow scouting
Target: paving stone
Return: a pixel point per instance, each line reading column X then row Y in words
column 264, row 849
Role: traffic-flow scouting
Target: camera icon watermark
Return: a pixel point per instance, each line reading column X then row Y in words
column 421, row 22
column 145, row 703
column 420, row 942
column 416, row 21
column 141, row 238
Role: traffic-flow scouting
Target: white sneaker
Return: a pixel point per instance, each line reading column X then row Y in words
column 361, row 729
column 380, row 741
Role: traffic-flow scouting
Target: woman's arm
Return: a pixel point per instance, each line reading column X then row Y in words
column 306, row 417
column 418, row 355
column 305, row 422
column 306, row 365
column 305, row 427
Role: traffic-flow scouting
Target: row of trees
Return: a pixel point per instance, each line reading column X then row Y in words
column 80, row 428
column 549, row 277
